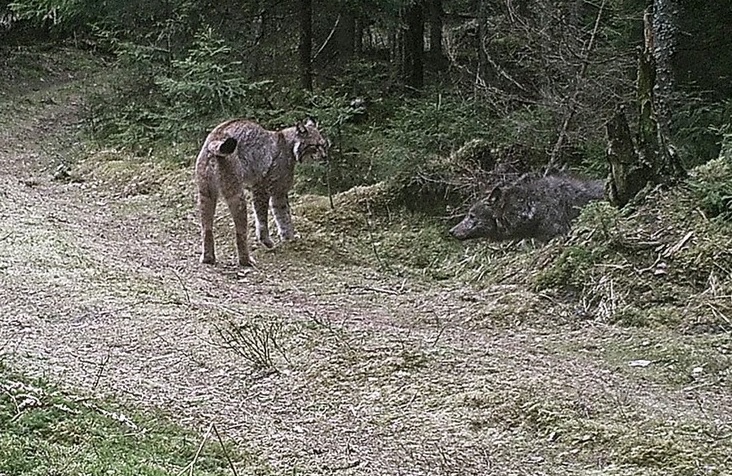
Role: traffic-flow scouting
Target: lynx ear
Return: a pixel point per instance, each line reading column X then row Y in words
column 301, row 128
column 310, row 122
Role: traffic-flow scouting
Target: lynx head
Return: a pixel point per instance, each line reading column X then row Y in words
column 309, row 143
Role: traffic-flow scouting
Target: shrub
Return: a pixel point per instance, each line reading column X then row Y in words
column 173, row 100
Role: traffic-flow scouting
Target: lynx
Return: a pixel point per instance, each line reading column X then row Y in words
column 239, row 155
column 540, row 208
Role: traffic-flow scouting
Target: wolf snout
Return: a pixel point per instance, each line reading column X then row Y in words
column 458, row 231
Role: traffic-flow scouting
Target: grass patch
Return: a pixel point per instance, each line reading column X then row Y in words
column 663, row 358
column 46, row 431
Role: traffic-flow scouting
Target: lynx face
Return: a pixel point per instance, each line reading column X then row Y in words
column 309, row 143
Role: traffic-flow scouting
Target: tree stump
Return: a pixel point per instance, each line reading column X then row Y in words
column 651, row 159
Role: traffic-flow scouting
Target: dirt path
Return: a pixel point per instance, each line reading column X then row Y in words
column 378, row 375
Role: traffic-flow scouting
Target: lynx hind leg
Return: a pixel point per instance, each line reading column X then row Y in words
column 282, row 216
column 207, row 197
column 238, row 206
column 260, row 198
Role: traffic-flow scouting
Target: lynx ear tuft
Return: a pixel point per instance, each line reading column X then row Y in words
column 301, row 128
column 228, row 146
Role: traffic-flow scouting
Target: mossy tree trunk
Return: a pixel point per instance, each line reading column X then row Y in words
column 629, row 172
column 651, row 158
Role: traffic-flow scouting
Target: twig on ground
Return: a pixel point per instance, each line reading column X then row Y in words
column 98, row 377
column 192, row 464
column 223, row 448
column 719, row 314
column 382, row 264
column 437, row 338
column 349, row 465
column 183, row 285
column 253, row 342
column 352, row 287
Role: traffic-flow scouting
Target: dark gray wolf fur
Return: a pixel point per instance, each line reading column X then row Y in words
column 540, row 208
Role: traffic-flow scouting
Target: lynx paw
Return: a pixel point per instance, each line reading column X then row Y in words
column 267, row 241
column 247, row 262
column 291, row 236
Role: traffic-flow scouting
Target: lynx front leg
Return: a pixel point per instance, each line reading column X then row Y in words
column 207, row 197
column 281, row 212
column 260, row 196
column 238, row 207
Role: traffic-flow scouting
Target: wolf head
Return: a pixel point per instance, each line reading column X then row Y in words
column 309, row 143
column 480, row 220
column 505, row 213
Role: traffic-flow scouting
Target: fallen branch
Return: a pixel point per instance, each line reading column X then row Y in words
column 192, row 464
column 223, row 448
column 373, row 289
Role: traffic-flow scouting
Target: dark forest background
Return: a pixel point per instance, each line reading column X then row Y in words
column 394, row 83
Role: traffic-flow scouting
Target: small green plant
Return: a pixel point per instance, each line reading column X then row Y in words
column 208, row 81
column 568, row 270
column 62, row 16
column 699, row 127
column 175, row 98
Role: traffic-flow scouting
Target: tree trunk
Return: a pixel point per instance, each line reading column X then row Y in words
column 306, row 44
column 665, row 31
column 481, row 79
column 413, row 62
column 357, row 37
column 647, row 137
column 654, row 160
column 437, row 57
column 628, row 172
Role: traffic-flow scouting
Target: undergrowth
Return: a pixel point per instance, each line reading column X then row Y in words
column 665, row 261
column 48, row 431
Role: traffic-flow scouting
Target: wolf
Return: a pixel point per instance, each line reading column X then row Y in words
column 240, row 155
column 532, row 207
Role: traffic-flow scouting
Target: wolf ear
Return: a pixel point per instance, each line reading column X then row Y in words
column 495, row 195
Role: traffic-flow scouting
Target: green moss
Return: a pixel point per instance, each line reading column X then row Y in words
column 569, row 269
column 711, row 184
column 45, row 431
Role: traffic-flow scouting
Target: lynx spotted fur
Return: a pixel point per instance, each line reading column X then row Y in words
column 239, row 155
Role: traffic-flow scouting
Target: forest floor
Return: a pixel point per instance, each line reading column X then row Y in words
column 342, row 367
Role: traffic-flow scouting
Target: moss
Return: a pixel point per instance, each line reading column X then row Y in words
column 711, row 185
